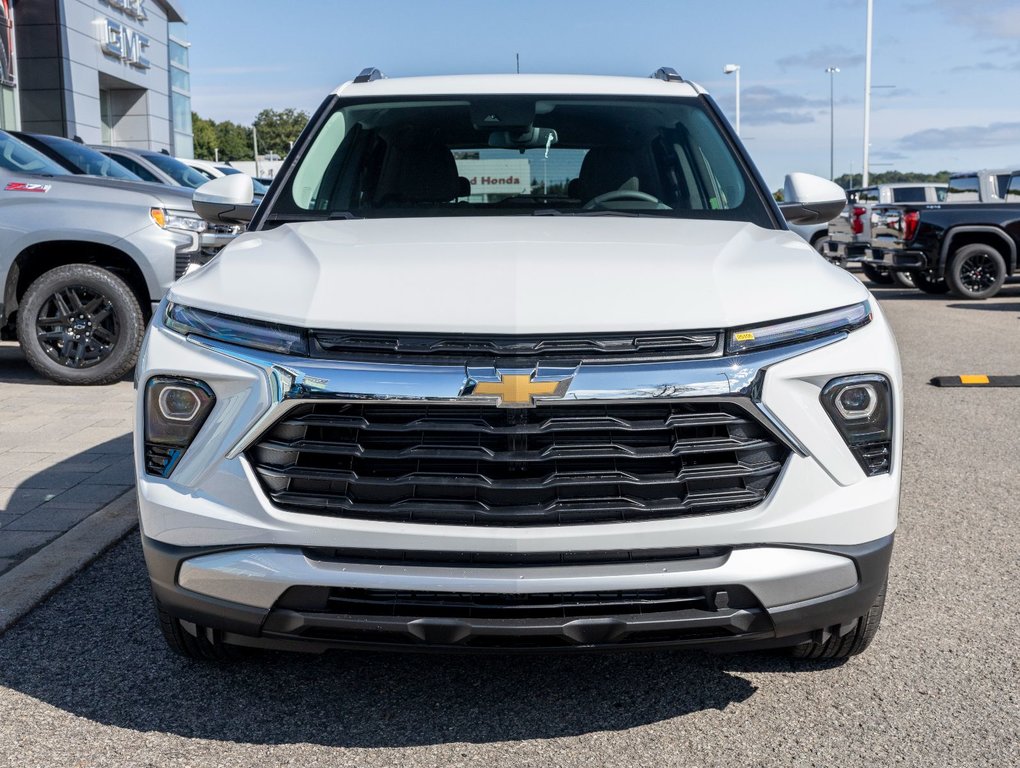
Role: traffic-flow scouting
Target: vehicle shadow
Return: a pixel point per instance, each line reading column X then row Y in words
column 14, row 368
column 94, row 651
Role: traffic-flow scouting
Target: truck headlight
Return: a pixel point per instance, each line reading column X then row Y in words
column 236, row 330
column 799, row 328
column 175, row 410
column 861, row 409
column 179, row 220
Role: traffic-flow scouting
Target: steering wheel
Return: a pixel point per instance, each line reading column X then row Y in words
column 621, row 194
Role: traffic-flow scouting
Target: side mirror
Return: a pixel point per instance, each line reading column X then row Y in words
column 811, row 199
column 226, row 200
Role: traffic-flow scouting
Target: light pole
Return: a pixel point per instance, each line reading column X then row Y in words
column 731, row 69
column 867, row 95
column 832, row 122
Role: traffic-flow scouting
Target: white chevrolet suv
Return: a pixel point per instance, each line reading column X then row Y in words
column 518, row 363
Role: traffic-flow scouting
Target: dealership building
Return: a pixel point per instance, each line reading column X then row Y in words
column 107, row 71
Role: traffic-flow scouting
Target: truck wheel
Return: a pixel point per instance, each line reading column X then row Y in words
column 903, row 279
column 183, row 643
column 80, row 324
column 976, row 271
column 929, row 284
column 877, row 275
column 852, row 643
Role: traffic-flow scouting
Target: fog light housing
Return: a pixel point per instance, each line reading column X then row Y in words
column 861, row 409
column 175, row 410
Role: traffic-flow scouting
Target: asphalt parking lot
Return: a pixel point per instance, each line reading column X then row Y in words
column 85, row 679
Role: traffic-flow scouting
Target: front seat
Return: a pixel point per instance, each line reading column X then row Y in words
column 607, row 169
column 414, row 174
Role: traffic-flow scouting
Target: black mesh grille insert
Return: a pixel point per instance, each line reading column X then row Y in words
column 556, row 464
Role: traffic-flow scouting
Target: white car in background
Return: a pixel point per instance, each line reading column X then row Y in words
column 616, row 405
column 213, row 170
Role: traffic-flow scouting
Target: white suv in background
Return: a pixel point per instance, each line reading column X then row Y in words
column 519, row 363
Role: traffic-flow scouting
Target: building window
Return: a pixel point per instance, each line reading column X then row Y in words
column 179, row 54
column 182, row 112
column 180, row 80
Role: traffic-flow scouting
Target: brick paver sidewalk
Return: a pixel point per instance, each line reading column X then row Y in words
column 65, row 452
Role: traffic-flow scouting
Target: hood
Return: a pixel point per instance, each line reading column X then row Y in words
column 520, row 274
column 164, row 194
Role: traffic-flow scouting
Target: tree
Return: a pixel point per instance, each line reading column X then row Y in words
column 234, row 141
column 848, row 181
column 205, row 137
column 279, row 129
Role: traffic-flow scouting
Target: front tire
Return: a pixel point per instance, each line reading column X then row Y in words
column 904, row 279
column 853, row 642
column 80, row 324
column 928, row 284
column 877, row 275
column 976, row 271
column 200, row 648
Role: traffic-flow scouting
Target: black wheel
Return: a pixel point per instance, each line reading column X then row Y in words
column 929, row 284
column 853, row 642
column 80, row 324
column 877, row 275
column 904, row 279
column 976, row 271
column 204, row 645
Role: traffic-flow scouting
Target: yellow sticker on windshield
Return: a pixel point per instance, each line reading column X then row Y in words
column 744, row 336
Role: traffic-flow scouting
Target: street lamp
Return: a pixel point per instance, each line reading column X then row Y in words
column 731, row 69
column 832, row 123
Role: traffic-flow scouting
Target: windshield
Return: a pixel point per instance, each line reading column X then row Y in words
column 524, row 155
column 86, row 159
column 176, row 170
column 18, row 156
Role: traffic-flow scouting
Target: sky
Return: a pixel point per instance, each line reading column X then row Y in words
column 953, row 65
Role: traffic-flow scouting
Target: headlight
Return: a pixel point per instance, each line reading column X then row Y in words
column 181, row 220
column 861, row 409
column 236, row 330
column 799, row 329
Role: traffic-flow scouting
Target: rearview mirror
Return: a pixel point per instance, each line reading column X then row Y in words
column 529, row 138
column 811, row 199
column 226, row 200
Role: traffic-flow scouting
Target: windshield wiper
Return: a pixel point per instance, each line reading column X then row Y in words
column 557, row 212
column 302, row 217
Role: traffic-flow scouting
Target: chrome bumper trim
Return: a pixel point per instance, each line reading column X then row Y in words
column 777, row 576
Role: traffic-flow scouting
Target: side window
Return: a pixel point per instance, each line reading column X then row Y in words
column 134, row 167
column 1013, row 190
column 305, row 188
column 941, row 193
column 1001, row 183
column 869, row 195
column 964, row 189
column 908, row 195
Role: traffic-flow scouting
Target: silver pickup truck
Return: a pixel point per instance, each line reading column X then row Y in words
column 83, row 260
column 850, row 232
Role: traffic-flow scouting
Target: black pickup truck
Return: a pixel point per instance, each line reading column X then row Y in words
column 968, row 249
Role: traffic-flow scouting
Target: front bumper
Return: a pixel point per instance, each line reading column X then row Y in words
column 744, row 598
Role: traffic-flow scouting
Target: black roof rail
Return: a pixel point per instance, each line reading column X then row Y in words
column 368, row 74
column 668, row 74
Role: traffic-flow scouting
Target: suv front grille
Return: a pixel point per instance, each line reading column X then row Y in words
column 556, row 464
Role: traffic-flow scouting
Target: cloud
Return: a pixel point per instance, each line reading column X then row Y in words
column 769, row 106
column 963, row 137
column 988, row 18
column 988, row 66
column 820, row 58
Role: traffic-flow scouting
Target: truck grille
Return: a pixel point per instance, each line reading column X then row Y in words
column 555, row 464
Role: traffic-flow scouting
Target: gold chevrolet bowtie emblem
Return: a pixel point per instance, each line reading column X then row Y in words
column 517, row 390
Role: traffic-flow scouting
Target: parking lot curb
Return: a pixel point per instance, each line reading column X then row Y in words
column 39, row 576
